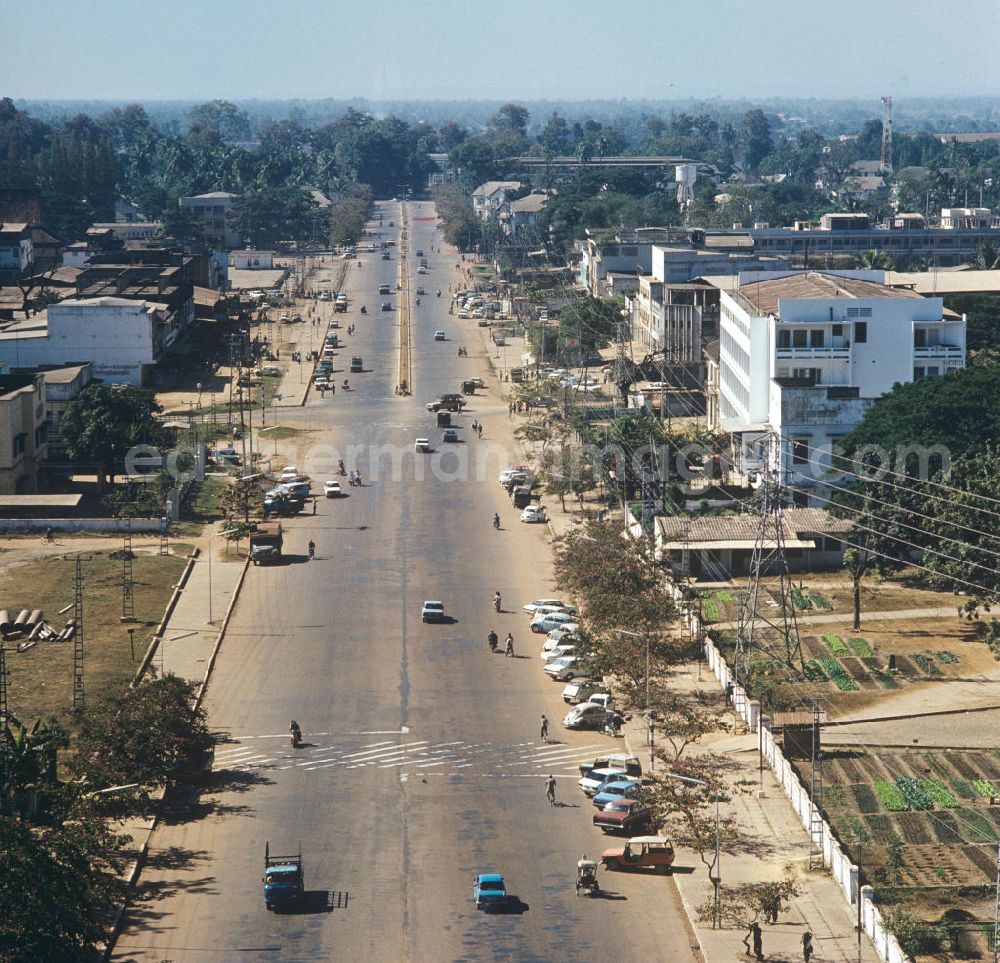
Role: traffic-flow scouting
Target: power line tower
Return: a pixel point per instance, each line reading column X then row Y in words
column 78, row 693
column 769, row 622
column 128, row 584
column 886, row 157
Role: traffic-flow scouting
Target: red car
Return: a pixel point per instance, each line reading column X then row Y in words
column 627, row 816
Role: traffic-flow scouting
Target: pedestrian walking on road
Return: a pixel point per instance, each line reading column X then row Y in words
column 550, row 790
column 807, row 946
column 508, row 645
column 480, row 430
column 314, row 506
column 545, row 729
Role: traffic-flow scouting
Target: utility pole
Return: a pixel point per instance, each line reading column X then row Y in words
column 128, row 585
column 5, row 747
column 886, row 156
column 996, row 911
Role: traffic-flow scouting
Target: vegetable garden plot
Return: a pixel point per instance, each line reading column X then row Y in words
column 962, row 767
column 864, row 799
column 837, row 645
column 915, row 828
column 861, row 648
column 938, row 865
column 839, row 675
column 984, row 859
column 858, row 671
column 881, row 827
column 976, row 828
column 926, row 664
column 946, row 829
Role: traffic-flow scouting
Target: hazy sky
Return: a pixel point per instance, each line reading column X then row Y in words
column 516, row 49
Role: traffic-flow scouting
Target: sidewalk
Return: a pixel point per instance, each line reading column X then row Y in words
column 776, row 841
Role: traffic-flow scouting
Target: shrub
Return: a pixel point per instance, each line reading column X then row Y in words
column 890, row 796
column 915, row 936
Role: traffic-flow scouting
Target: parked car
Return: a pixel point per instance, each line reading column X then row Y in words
column 597, row 777
column 432, row 611
column 586, row 715
column 296, row 489
column 489, row 891
column 641, row 852
column 621, row 788
column 509, row 473
column 624, row 815
column 564, row 668
column 332, row 489
column 288, row 473
column 558, row 652
column 544, row 610
column 534, row 514
column 449, row 435
column 551, row 643
column 554, row 620
column 618, row 760
column 538, row 603
column 579, row 690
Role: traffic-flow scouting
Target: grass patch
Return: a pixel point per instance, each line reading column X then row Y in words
column 963, row 789
column 984, row 788
column 939, row 792
column 41, row 679
column 890, row 796
column 975, row 827
column 280, row 432
column 861, row 647
column 839, row 675
column 837, row 646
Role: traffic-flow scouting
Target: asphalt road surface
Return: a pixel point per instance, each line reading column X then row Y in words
column 421, row 764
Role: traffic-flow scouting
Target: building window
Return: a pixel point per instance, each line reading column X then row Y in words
column 19, row 443
column 866, row 312
column 918, row 373
column 860, row 332
column 919, row 337
column 837, row 331
column 798, row 339
column 784, row 339
column 816, row 338
column 800, row 451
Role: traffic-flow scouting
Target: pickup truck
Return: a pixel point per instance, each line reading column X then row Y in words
column 265, row 543
column 283, row 879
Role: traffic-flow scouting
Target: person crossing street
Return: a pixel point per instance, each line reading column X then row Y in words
column 544, row 729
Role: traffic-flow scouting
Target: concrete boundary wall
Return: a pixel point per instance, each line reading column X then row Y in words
column 834, row 858
column 98, row 525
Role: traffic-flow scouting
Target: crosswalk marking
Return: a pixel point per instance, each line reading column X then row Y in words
column 422, row 755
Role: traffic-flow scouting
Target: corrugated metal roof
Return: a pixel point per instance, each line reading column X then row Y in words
column 764, row 295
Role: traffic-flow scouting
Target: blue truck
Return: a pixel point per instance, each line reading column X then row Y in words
column 283, row 879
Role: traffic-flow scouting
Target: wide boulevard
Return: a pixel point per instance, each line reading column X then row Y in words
column 421, row 764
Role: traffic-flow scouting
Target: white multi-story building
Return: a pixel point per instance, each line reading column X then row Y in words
column 489, row 198
column 803, row 356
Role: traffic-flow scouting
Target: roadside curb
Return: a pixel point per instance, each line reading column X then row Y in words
column 222, row 632
column 167, row 613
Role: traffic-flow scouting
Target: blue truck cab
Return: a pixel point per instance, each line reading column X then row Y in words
column 489, row 891
column 283, row 879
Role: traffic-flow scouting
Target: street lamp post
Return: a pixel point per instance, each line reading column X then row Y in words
column 647, row 713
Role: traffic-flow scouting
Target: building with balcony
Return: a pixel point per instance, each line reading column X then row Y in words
column 23, row 433
column 16, row 252
column 489, row 198
column 802, row 357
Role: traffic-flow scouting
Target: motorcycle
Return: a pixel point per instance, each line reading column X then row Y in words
column 364, row 310
column 439, row 292
column 418, row 300
column 341, row 470
column 295, row 735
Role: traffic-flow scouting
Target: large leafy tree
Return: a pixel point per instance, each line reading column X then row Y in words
column 104, row 421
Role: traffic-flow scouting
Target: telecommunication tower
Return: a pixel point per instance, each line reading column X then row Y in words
column 886, row 157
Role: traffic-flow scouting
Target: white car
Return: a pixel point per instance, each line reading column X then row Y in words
column 432, row 611
column 595, row 777
column 564, row 669
column 332, row 489
column 580, row 690
column 422, row 444
column 565, row 638
column 508, row 473
column 288, row 473
column 587, row 715
column 439, row 335
column 557, row 652
column 534, row 514
column 538, row 603
column 554, row 620
column 549, row 609
column 320, row 383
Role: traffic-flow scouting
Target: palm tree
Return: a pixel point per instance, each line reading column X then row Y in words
column 874, row 260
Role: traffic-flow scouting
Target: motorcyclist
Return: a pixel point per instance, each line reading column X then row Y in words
column 295, row 732
column 312, row 548
column 497, row 601
column 493, row 639
column 340, row 467
column 347, row 385
column 418, row 300
column 364, row 310
column 439, row 292
column 496, row 520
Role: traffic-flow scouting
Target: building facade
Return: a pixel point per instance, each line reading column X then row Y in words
column 23, row 432
column 212, row 210
column 802, row 357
